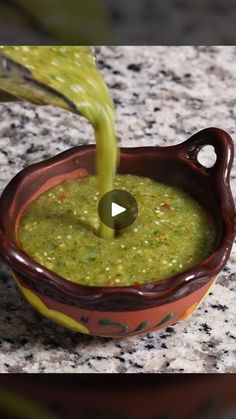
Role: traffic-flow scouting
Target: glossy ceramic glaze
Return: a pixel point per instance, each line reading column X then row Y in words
column 122, row 311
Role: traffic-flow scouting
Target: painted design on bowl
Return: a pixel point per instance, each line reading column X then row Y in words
column 113, row 324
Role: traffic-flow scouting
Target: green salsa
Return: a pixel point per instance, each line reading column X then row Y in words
column 171, row 233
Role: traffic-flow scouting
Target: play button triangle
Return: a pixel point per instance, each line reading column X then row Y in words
column 116, row 209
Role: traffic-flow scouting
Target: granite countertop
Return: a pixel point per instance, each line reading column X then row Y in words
column 162, row 95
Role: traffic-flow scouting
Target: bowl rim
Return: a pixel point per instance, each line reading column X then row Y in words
column 179, row 285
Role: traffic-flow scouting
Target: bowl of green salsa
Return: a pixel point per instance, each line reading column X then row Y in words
column 68, row 263
column 151, row 274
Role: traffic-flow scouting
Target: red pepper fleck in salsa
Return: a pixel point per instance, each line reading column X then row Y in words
column 62, row 197
column 165, row 205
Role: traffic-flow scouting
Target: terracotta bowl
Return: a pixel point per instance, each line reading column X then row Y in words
column 123, row 311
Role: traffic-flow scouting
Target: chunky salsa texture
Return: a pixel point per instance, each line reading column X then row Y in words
column 171, row 233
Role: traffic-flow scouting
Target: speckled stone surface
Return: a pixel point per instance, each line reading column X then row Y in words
column 162, row 95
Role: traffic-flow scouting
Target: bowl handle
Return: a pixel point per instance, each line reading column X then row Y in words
column 224, row 149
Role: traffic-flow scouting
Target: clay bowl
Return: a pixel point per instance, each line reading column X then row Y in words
column 116, row 311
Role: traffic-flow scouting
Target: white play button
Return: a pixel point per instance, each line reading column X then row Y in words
column 116, row 209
